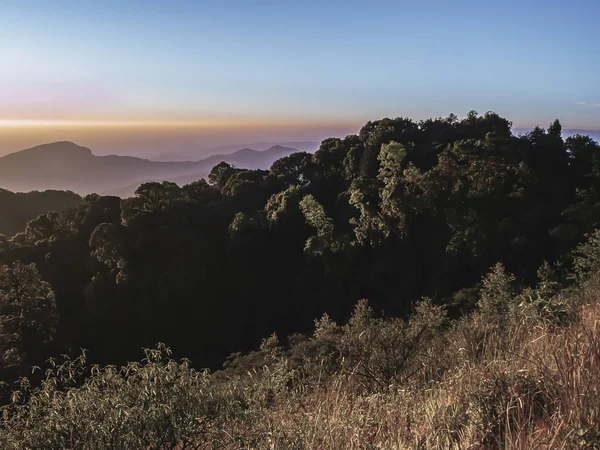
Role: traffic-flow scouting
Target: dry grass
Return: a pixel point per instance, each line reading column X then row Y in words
column 524, row 387
column 525, row 384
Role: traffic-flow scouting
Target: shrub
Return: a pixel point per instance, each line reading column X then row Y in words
column 586, row 261
column 379, row 351
column 28, row 315
column 497, row 295
column 158, row 403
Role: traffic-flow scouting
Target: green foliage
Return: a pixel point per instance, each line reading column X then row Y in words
column 295, row 169
column 376, row 351
column 19, row 208
column 497, row 295
column 555, row 129
column 107, row 243
column 317, row 218
column 201, row 193
column 390, row 216
column 158, row 403
column 380, row 351
column 220, row 174
column 368, row 227
column 546, row 302
column 150, row 198
column 282, row 206
column 28, row 315
column 586, row 261
column 391, row 160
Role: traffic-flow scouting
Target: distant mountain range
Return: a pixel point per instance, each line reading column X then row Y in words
column 246, row 158
column 67, row 166
column 303, row 146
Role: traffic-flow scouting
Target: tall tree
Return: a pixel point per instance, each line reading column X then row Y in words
column 28, row 317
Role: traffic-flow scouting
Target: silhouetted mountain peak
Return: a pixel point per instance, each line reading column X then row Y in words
column 68, row 166
column 54, row 149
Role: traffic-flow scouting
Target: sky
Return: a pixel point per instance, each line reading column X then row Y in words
column 140, row 77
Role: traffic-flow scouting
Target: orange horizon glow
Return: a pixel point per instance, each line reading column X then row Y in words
column 150, row 136
column 195, row 124
column 165, row 124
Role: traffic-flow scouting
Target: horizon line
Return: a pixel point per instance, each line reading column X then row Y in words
column 242, row 123
column 203, row 124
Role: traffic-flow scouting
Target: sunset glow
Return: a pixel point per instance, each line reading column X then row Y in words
column 111, row 74
column 35, row 123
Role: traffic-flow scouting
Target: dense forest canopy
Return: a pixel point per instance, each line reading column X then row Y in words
column 16, row 209
column 400, row 211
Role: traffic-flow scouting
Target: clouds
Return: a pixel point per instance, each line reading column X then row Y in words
column 588, row 104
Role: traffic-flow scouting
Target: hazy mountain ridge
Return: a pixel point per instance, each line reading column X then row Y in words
column 67, row 166
column 225, row 150
column 246, row 158
column 251, row 159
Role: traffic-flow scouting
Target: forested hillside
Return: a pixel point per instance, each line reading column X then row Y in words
column 16, row 209
column 469, row 244
column 400, row 211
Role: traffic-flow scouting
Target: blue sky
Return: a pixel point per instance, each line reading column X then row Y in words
column 339, row 63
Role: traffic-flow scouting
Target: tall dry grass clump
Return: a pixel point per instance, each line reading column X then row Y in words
column 525, row 384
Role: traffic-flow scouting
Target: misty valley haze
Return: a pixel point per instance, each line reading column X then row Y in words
column 67, row 166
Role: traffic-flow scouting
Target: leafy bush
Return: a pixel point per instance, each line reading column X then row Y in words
column 380, row 351
column 586, row 259
column 376, row 351
column 158, row 403
column 28, row 316
column 497, row 295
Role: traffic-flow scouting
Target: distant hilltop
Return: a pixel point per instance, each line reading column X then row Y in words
column 190, row 155
column 67, row 166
